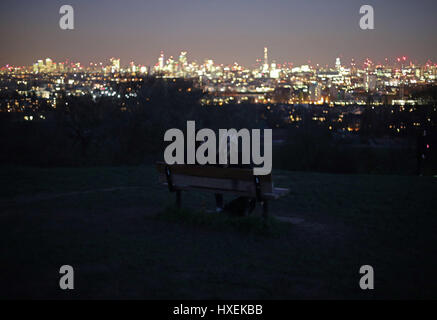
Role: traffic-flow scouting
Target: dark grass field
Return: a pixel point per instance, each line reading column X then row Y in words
column 114, row 227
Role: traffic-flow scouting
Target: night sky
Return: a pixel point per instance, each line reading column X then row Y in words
column 224, row 30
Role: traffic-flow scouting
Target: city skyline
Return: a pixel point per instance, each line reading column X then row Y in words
column 388, row 61
column 225, row 31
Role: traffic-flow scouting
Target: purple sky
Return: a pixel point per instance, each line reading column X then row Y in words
column 224, row 30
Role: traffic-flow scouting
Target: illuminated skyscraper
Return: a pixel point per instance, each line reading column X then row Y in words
column 115, row 65
column 49, row 65
column 170, row 65
column 338, row 64
column 353, row 67
column 41, row 67
column 266, row 61
column 182, row 62
column 209, row 64
column 266, row 56
column 274, row 72
column 133, row 67
column 161, row 61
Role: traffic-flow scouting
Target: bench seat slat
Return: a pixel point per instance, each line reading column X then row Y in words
column 212, row 190
column 237, row 181
column 212, row 172
column 215, row 183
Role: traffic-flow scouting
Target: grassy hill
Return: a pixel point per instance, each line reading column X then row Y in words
column 110, row 225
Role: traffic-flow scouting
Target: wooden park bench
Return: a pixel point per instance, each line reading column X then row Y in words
column 219, row 180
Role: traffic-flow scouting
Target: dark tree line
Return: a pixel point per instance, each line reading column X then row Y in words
column 82, row 131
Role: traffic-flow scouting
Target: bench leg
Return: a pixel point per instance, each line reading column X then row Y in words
column 265, row 205
column 219, row 202
column 178, row 199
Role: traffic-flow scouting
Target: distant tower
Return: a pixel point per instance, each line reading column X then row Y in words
column 161, row 61
column 338, row 64
column 41, row 67
column 266, row 60
column 170, row 64
column 49, row 64
column 115, row 65
column 353, row 67
column 266, row 55
column 183, row 62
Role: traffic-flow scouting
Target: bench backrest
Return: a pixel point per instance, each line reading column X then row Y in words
column 217, row 179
